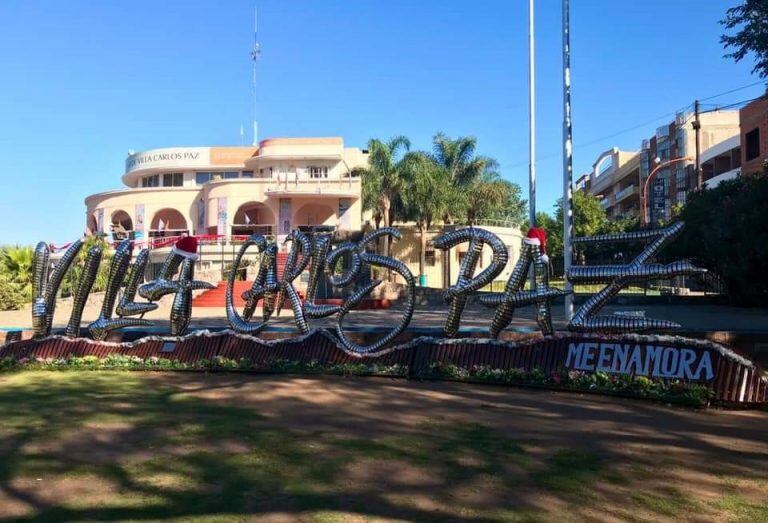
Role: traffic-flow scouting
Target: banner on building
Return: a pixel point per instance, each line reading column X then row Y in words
column 201, row 229
column 221, row 223
column 284, row 225
column 138, row 228
column 345, row 217
column 100, row 220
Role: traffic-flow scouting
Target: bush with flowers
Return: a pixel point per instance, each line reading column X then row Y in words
column 676, row 391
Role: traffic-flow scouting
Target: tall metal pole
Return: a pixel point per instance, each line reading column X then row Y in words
column 697, row 128
column 531, row 120
column 255, row 55
column 531, row 128
column 567, row 158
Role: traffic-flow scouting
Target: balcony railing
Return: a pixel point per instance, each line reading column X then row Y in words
column 627, row 191
column 251, row 228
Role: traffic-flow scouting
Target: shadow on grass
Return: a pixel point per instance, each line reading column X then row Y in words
column 147, row 453
column 112, row 446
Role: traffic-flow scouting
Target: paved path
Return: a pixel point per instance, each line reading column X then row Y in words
column 693, row 317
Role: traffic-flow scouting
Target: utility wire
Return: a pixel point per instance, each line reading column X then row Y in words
column 731, row 91
column 578, row 145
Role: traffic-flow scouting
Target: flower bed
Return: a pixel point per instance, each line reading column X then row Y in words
column 673, row 391
column 127, row 362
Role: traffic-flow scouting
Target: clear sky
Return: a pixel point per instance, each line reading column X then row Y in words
column 83, row 82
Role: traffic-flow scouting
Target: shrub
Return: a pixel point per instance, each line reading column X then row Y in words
column 726, row 232
column 12, row 297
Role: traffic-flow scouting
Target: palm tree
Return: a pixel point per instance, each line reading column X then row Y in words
column 464, row 168
column 16, row 262
column 382, row 180
column 427, row 194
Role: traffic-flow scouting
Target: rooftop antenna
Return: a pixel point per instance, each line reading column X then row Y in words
column 255, row 55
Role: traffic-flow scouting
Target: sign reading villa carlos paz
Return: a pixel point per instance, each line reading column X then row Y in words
column 169, row 157
column 184, row 157
column 653, row 361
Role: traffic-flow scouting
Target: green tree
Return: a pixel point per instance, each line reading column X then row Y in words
column 493, row 198
column 458, row 157
column 480, row 192
column 589, row 218
column 726, row 232
column 427, row 194
column 382, row 180
column 750, row 21
column 16, row 264
column 78, row 265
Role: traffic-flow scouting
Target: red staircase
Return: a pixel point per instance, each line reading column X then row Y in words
column 217, row 297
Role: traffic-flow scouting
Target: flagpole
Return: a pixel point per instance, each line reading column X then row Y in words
column 531, row 120
column 567, row 159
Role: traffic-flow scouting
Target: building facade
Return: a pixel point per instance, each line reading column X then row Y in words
column 619, row 178
column 754, row 135
column 221, row 192
column 677, row 140
column 615, row 179
column 222, row 195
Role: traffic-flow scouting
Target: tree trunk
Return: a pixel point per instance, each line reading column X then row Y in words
column 423, row 253
column 385, row 205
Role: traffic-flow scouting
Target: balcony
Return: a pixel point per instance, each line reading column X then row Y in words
column 605, row 203
column 339, row 187
column 624, row 193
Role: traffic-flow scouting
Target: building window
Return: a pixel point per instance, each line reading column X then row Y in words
column 429, row 256
column 318, row 172
column 247, row 174
column 202, row 177
column 173, row 180
column 229, row 175
column 681, row 177
column 752, row 145
column 663, row 152
column 151, row 181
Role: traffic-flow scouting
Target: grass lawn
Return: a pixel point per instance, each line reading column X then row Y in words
column 86, row 445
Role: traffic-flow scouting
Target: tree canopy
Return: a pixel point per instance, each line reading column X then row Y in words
column 750, row 22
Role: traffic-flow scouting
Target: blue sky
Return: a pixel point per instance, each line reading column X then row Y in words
column 83, row 82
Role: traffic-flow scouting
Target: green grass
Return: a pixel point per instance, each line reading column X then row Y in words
column 110, row 445
column 740, row 509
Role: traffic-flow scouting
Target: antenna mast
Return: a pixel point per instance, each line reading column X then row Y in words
column 255, row 55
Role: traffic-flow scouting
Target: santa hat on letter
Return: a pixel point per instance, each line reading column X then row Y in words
column 186, row 246
column 538, row 236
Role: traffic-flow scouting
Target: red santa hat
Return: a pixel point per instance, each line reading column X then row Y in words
column 538, row 236
column 186, row 246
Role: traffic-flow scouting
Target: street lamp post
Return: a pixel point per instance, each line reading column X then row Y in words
column 644, row 194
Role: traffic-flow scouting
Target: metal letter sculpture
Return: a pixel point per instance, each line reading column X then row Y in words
column 127, row 306
column 266, row 287
column 457, row 295
column 45, row 288
column 104, row 324
column 90, row 270
column 514, row 295
column 272, row 291
column 617, row 277
column 361, row 261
